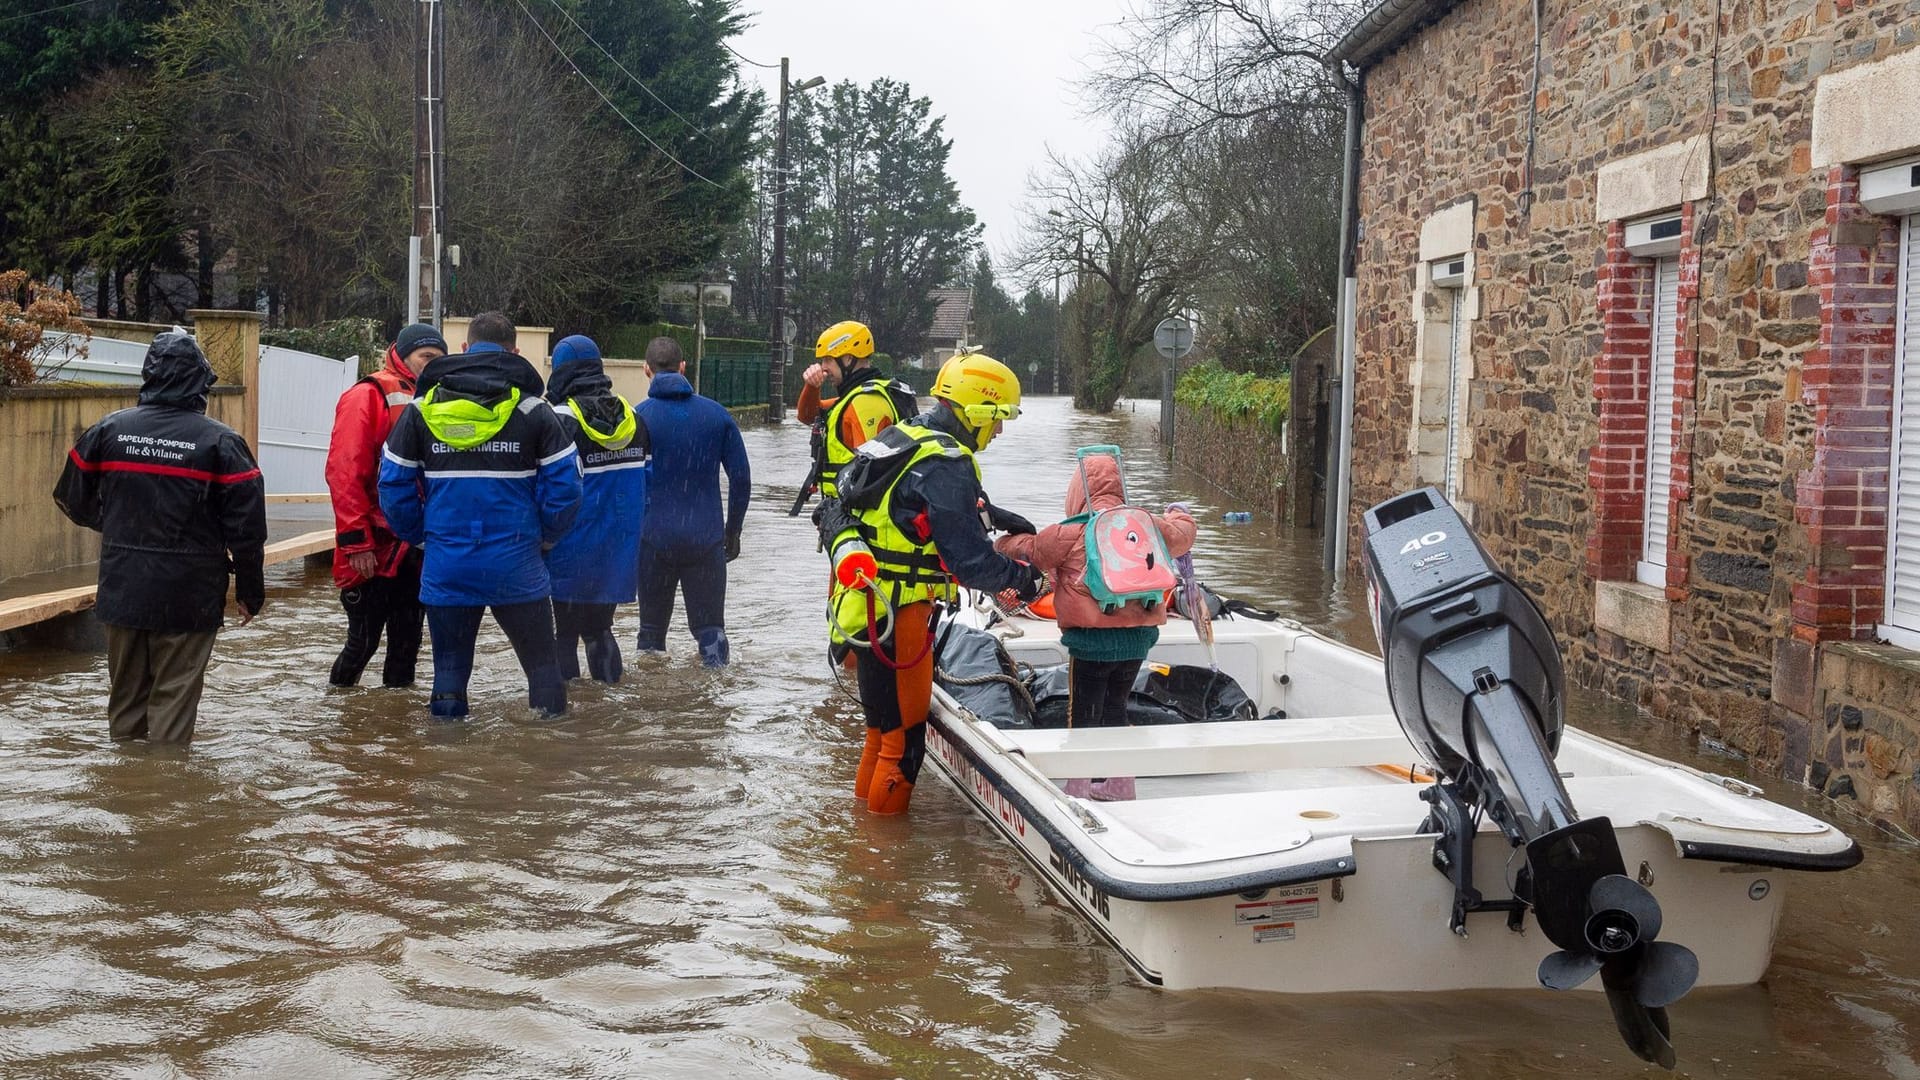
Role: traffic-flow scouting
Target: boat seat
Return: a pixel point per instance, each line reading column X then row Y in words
column 1209, row 828
column 1233, row 746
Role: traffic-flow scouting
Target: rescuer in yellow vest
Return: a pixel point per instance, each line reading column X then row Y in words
column 915, row 527
column 865, row 400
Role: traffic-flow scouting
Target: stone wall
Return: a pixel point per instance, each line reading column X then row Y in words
column 1447, row 122
column 1240, row 457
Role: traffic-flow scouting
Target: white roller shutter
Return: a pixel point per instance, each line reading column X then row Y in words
column 1652, row 569
column 1456, row 395
column 1903, row 518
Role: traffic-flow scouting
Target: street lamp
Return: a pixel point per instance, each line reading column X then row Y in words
column 777, row 364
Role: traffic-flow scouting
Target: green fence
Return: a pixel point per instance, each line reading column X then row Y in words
column 735, row 378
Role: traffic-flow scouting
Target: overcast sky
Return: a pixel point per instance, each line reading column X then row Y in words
column 1004, row 73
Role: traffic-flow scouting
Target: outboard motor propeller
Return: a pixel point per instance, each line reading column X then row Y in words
column 1474, row 675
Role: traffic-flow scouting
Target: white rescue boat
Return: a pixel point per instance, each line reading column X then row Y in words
column 1303, row 851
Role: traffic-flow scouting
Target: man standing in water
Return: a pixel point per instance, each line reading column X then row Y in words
column 377, row 572
column 479, row 470
column 687, row 544
column 175, row 496
column 915, row 498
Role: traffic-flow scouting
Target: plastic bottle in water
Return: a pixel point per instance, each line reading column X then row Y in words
column 1237, row 517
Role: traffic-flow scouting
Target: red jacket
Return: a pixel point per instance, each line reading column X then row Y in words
column 1060, row 551
column 361, row 421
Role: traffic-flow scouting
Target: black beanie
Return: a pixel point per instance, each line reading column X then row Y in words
column 415, row 335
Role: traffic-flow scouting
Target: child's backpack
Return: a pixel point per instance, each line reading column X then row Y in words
column 1127, row 560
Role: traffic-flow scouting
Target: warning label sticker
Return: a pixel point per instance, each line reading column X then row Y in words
column 1296, row 902
column 1282, row 931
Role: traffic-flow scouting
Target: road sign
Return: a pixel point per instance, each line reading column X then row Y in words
column 1173, row 338
column 789, row 330
column 705, row 293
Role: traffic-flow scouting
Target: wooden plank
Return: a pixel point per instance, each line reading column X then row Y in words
column 28, row 610
column 299, row 547
column 299, row 497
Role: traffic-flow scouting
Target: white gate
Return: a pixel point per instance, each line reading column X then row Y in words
column 297, row 394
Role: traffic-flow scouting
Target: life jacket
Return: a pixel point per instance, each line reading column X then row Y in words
column 396, row 388
column 835, row 453
column 909, row 566
column 1127, row 558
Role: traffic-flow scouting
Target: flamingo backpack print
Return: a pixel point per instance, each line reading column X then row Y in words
column 1127, row 560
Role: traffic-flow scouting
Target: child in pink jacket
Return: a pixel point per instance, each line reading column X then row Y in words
column 1104, row 649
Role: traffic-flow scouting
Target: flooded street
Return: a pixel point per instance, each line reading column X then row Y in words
column 674, row 879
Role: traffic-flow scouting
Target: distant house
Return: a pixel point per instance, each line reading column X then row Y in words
column 952, row 325
column 1638, row 287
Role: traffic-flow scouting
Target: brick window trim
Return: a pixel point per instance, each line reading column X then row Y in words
column 1622, row 383
column 1841, row 500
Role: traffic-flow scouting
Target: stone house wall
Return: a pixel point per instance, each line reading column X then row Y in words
column 1708, row 110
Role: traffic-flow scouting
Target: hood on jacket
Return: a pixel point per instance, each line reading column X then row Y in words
column 1101, row 473
column 581, row 383
column 466, row 398
column 669, row 384
column 175, row 372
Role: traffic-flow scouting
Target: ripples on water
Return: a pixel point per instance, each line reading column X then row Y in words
column 673, row 880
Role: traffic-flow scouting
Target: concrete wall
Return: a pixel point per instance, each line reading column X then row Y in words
column 38, row 425
column 1642, row 107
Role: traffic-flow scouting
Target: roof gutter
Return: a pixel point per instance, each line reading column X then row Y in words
column 1384, row 28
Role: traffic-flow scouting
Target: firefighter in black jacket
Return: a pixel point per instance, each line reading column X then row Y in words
column 179, row 502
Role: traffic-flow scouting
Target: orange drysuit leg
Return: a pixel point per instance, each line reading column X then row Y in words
column 896, row 703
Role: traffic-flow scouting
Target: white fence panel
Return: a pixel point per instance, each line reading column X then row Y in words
column 297, row 394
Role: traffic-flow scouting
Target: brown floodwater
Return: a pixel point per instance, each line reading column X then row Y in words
column 674, row 880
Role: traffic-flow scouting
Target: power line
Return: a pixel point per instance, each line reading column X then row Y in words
column 743, row 57
column 690, row 170
column 43, row 11
column 623, row 70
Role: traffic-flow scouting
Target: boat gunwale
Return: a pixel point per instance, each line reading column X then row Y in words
column 1119, row 887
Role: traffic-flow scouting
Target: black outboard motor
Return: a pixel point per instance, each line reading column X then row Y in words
column 1474, row 675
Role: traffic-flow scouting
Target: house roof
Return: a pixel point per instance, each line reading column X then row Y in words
column 954, row 307
column 1386, row 28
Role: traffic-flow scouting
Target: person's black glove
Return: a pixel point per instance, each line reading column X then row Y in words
column 733, row 546
column 1007, row 521
column 1034, row 586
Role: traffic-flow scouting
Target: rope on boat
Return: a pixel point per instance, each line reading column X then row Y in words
column 1020, row 691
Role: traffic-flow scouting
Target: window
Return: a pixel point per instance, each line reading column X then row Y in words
column 1449, row 277
column 1903, row 497
column 1652, row 567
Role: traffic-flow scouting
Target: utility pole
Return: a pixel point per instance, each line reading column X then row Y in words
column 777, row 330
column 424, row 299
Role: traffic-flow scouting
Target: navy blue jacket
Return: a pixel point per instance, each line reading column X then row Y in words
column 693, row 438
column 598, row 561
column 481, row 512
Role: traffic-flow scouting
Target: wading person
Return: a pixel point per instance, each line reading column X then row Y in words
column 864, row 401
column 1106, row 641
column 377, row 572
column 479, row 471
column 595, row 567
column 915, row 500
column 687, row 541
column 178, row 500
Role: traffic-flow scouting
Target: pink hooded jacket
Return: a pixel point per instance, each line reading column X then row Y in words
column 1060, row 551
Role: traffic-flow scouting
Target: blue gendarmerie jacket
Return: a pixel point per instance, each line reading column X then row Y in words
column 479, row 471
column 693, row 438
column 598, row 561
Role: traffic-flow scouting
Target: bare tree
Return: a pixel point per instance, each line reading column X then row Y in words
column 1124, row 225
column 1191, row 64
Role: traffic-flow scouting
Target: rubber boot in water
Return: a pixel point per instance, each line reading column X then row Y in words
column 891, row 790
column 869, row 761
column 449, row 706
column 603, row 658
column 714, row 649
column 546, row 692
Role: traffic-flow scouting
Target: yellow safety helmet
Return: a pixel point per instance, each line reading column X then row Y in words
column 982, row 390
column 846, row 338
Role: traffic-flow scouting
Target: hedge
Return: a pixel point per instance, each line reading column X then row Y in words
column 1236, row 395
